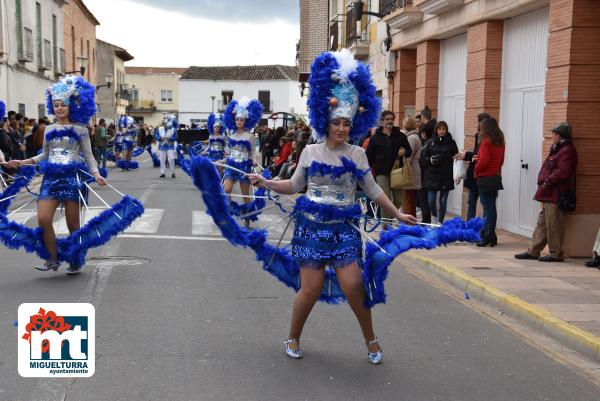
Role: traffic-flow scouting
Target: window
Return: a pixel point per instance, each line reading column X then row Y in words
column 47, row 55
column 61, row 64
column 227, row 97
column 38, row 36
column 54, row 44
column 41, row 110
column 28, row 45
column 264, row 97
column 19, row 26
column 21, row 109
column 72, row 48
column 166, row 96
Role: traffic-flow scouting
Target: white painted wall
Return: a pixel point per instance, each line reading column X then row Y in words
column 195, row 102
column 23, row 83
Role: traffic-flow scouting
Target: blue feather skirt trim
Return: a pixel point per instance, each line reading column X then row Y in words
column 21, row 181
column 128, row 165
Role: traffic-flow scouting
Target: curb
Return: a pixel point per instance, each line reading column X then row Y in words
column 534, row 316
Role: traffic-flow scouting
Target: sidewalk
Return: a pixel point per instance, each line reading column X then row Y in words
column 561, row 299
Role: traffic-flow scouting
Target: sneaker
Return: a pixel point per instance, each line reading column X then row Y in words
column 73, row 269
column 525, row 255
column 549, row 258
column 593, row 263
column 173, row 175
column 162, row 176
column 48, row 265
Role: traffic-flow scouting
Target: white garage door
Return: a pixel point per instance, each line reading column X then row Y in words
column 522, row 118
column 451, row 107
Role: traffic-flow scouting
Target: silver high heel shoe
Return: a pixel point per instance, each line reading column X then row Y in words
column 48, row 265
column 292, row 353
column 375, row 357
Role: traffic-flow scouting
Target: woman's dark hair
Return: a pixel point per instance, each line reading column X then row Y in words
column 490, row 129
column 440, row 124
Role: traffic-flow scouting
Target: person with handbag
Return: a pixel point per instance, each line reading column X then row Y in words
column 437, row 160
column 488, row 176
column 410, row 190
column 556, row 192
column 386, row 151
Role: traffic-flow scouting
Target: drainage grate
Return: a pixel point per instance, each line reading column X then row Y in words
column 117, row 261
column 481, row 268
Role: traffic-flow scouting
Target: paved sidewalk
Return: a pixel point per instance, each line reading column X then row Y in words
column 569, row 291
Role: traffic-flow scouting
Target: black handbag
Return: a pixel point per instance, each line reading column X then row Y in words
column 490, row 184
column 567, row 201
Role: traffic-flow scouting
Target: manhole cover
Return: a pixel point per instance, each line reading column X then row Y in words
column 117, row 261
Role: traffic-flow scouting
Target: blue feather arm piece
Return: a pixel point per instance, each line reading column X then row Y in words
column 154, row 156
column 73, row 248
column 21, row 181
column 404, row 238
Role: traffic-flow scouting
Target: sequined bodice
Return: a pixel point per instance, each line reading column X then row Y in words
column 216, row 144
column 330, row 190
column 239, row 151
column 64, row 150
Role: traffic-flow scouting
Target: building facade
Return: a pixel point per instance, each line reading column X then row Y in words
column 31, row 53
column 314, row 36
column 154, row 93
column 529, row 63
column 203, row 90
column 112, row 101
column 80, row 39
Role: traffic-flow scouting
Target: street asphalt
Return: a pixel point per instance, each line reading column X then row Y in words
column 183, row 315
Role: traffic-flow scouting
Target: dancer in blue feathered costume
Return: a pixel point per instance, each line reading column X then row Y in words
column 325, row 260
column 217, row 141
column 67, row 162
column 129, row 132
column 166, row 136
column 240, row 118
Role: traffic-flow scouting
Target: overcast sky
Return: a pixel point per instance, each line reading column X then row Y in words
column 181, row 33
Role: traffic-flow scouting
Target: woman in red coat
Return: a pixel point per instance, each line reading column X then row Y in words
column 490, row 159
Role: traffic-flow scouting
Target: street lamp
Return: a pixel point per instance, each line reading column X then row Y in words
column 108, row 79
column 83, row 65
column 213, row 103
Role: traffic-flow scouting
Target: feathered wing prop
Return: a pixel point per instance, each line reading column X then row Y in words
column 195, row 149
column 254, row 207
column 138, row 151
column 21, row 181
column 280, row 263
column 405, row 238
column 154, row 156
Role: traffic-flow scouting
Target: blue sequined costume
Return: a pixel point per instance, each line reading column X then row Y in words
column 216, row 147
column 240, row 150
column 61, row 162
column 130, row 138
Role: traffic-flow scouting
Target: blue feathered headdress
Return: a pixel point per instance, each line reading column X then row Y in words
column 215, row 119
column 78, row 94
column 2, row 110
column 341, row 87
column 126, row 121
column 251, row 110
column 171, row 121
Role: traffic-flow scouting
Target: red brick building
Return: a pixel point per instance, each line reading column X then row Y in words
column 529, row 63
column 80, row 38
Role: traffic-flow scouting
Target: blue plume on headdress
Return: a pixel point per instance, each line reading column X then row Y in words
column 254, row 110
column 215, row 119
column 2, row 110
column 82, row 105
column 322, row 85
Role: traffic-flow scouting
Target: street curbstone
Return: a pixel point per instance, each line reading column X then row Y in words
column 532, row 315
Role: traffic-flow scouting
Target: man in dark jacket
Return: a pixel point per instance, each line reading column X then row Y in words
column 470, row 182
column 426, row 131
column 556, row 176
column 387, row 146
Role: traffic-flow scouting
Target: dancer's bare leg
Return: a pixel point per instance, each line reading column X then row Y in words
column 311, row 286
column 46, row 210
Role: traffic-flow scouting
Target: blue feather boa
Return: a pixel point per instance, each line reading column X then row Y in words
column 61, row 133
column 323, row 169
column 154, row 156
column 73, row 249
column 21, row 181
column 128, row 165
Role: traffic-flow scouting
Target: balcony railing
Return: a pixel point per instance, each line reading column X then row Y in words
column 351, row 34
column 388, row 6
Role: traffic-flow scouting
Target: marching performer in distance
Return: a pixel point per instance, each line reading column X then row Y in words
column 217, row 140
column 240, row 118
column 166, row 137
column 129, row 132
